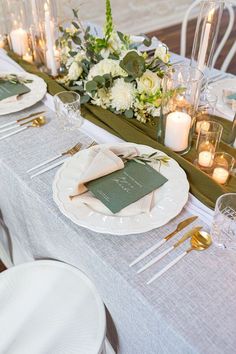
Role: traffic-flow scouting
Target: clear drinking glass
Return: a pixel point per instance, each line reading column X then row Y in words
column 223, row 229
column 67, row 107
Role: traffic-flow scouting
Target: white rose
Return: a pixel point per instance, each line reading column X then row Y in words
column 162, row 53
column 122, row 95
column 149, row 83
column 75, row 71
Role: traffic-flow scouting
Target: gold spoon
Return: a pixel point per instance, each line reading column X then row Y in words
column 200, row 241
column 36, row 123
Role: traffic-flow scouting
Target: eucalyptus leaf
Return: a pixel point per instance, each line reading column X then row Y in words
column 91, row 86
column 75, row 24
column 129, row 113
column 99, row 80
column 76, row 40
column 84, row 99
column 133, row 64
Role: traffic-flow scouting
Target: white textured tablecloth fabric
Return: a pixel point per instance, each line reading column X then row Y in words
column 191, row 309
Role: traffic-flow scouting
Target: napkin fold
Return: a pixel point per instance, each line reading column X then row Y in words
column 101, row 162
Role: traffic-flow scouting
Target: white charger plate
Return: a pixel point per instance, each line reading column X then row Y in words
column 38, row 89
column 168, row 199
column 217, row 89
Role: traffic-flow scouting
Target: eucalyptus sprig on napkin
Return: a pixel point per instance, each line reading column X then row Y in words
column 146, row 158
column 14, row 79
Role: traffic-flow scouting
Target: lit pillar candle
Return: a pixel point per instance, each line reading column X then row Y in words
column 178, row 125
column 220, row 175
column 205, row 42
column 19, row 41
column 51, row 61
column 56, row 56
column 205, row 158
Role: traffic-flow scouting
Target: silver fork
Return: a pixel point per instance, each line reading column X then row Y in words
column 70, row 151
column 73, row 151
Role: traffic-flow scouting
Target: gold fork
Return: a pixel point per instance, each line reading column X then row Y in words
column 70, row 151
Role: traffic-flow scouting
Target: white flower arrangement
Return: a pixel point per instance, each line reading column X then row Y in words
column 111, row 72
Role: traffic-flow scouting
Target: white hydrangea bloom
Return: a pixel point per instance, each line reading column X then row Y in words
column 102, row 98
column 106, row 66
column 122, row 95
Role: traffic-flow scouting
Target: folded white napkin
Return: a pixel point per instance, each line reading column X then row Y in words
column 101, row 162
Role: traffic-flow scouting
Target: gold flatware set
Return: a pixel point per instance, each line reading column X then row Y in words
column 38, row 121
column 200, row 240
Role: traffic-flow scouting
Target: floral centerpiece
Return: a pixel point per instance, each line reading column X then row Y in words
column 110, row 71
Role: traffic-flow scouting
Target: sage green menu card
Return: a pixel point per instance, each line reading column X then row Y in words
column 9, row 89
column 124, row 187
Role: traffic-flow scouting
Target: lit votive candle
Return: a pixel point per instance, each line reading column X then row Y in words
column 205, row 158
column 220, row 175
column 178, row 125
column 202, row 125
column 28, row 57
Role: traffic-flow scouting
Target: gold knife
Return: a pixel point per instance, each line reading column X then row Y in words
column 187, row 235
column 19, row 120
column 180, row 227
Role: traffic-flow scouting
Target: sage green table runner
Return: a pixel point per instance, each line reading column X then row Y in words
column 201, row 185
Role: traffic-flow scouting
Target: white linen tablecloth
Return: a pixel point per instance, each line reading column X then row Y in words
column 191, row 309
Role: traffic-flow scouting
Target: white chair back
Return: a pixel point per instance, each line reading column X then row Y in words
column 50, row 307
column 230, row 7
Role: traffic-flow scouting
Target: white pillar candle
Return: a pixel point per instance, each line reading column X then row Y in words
column 205, row 158
column 234, row 145
column 51, row 61
column 220, row 175
column 56, row 56
column 19, row 41
column 205, row 42
column 178, row 125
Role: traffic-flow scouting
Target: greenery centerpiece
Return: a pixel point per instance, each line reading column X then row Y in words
column 110, row 71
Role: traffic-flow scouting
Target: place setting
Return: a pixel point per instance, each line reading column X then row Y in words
column 19, row 91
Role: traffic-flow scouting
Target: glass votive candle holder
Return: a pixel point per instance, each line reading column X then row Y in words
column 207, row 143
column 222, row 167
column 206, row 108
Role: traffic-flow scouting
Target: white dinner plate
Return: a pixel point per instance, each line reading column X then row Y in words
column 217, row 89
column 168, row 199
column 38, row 89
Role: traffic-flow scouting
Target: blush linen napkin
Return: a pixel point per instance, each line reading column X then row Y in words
column 101, row 162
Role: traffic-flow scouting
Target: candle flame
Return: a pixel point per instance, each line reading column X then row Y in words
column 46, row 8
column 210, row 16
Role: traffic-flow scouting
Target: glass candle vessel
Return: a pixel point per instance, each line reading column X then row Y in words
column 207, row 143
column 206, row 108
column 181, row 90
column 223, row 229
column 44, row 32
column 222, row 167
column 206, row 34
column 18, row 25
